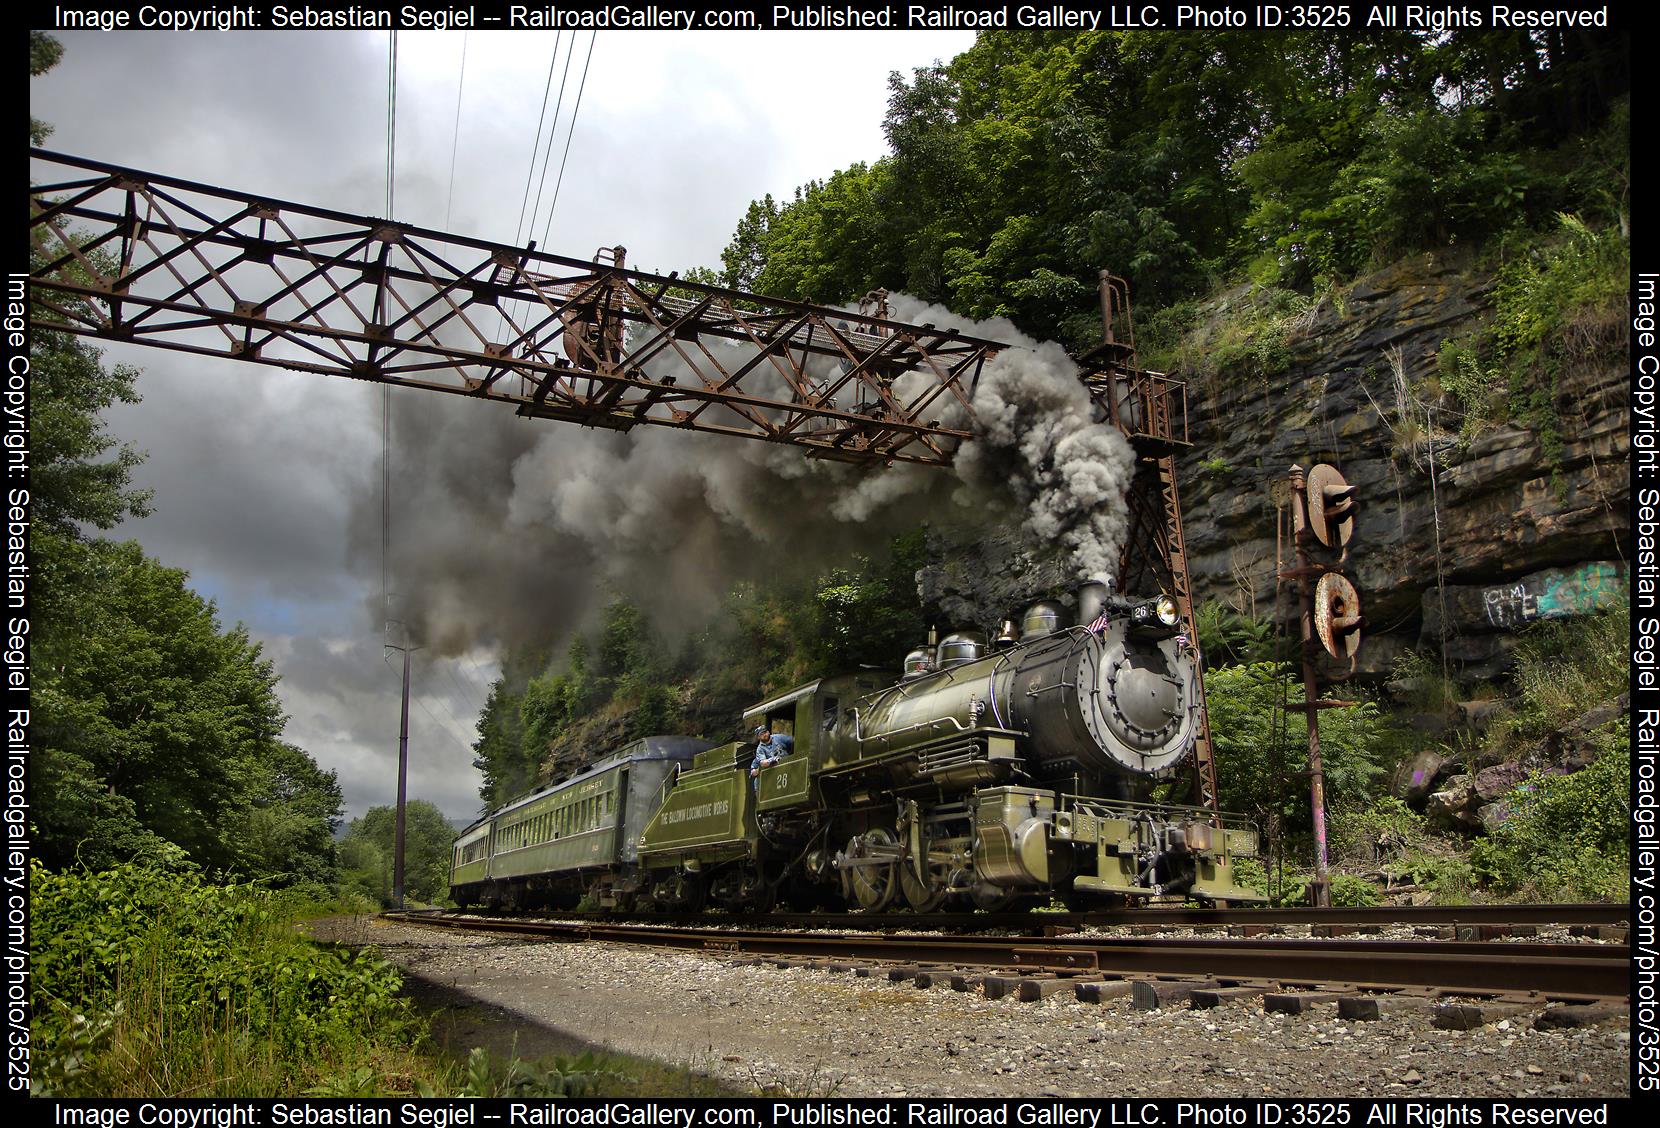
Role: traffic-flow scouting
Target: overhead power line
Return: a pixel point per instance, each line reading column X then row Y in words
column 455, row 142
column 536, row 145
column 553, row 131
column 581, row 86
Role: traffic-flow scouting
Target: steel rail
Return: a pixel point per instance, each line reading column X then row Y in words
column 1594, row 914
column 1549, row 971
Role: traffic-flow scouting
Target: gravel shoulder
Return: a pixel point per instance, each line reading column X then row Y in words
column 816, row 1033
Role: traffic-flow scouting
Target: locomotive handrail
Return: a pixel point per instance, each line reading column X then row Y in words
column 1086, row 801
column 920, row 724
column 1037, row 689
column 991, row 686
column 669, row 780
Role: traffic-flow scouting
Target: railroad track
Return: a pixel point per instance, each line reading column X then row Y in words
column 1579, row 915
column 1543, row 972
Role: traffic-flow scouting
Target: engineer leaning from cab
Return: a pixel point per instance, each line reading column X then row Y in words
column 769, row 749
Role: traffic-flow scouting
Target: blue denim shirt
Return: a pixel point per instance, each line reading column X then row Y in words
column 778, row 746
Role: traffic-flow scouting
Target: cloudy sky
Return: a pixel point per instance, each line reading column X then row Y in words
column 267, row 482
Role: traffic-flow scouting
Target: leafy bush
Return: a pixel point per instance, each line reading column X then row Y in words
column 1566, row 836
column 161, row 985
column 1449, row 877
column 1259, row 748
column 1227, row 637
column 1351, row 892
column 1248, row 335
column 1347, row 891
column 1355, row 834
column 1252, row 874
column 1381, row 182
column 1424, row 684
column 1554, row 300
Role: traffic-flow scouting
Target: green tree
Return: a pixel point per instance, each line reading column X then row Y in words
column 871, row 614
column 370, row 842
column 81, row 475
column 551, row 701
column 287, row 831
column 44, row 53
column 1029, row 162
column 141, row 694
column 1262, row 753
column 158, row 729
column 746, row 255
column 508, row 760
column 498, row 749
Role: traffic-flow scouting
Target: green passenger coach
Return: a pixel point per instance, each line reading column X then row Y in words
column 547, row 847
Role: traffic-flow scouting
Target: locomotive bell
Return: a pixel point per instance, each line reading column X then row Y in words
column 1042, row 618
column 1007, row 635
column 964, row 646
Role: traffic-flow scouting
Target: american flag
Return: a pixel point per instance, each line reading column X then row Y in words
column 1099, row 626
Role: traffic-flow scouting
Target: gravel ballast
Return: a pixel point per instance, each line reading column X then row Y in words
column 810, row 1032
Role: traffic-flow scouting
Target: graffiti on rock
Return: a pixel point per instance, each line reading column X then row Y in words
column 1554, row 594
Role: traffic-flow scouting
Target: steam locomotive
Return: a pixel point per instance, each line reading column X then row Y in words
column 992, row 776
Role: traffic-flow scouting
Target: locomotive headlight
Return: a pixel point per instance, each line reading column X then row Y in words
column 1155, row 618
column 1165, row 608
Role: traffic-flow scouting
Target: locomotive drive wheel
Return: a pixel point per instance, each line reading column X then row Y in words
column 871, row 887
column 922, row 898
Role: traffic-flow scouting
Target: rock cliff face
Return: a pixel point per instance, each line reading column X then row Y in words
column 1457, row 543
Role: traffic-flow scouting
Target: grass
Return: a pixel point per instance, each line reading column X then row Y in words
column 162, row 985
column 158, row 985
column 1248, row 334
column 1564, row 668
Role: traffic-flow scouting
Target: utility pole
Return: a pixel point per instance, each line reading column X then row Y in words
column 403, row 770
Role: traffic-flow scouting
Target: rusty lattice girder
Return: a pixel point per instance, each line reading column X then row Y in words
column 126, row 255
column 1151, row 410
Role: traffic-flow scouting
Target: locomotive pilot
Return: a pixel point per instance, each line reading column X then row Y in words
column 769, row 749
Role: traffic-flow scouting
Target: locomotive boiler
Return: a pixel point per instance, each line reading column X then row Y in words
column 983, row 775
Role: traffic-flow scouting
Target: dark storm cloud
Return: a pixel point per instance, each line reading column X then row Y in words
column 342, row 701
column 251, row 472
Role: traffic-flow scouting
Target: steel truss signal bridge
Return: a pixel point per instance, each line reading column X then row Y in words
column 124, row 255
column 128, row 255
